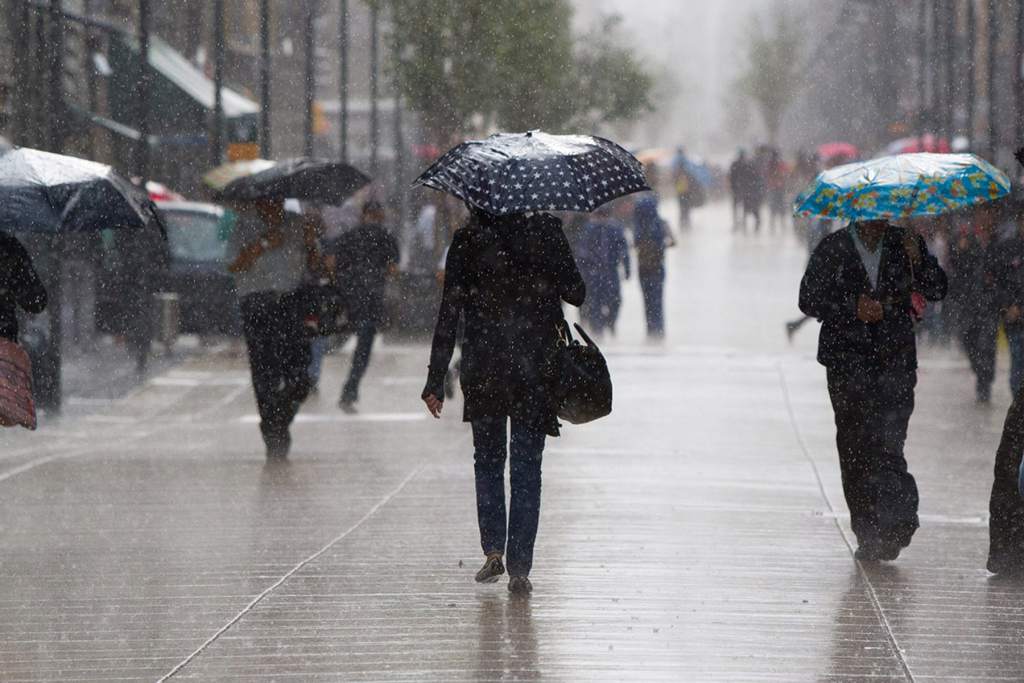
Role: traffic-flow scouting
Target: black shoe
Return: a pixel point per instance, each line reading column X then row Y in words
column 520, row 585
column 877, row 552
column 492, row 569
column 983, row 394
column 348, row 407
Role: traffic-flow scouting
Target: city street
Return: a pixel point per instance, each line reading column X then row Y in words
column 698, row 533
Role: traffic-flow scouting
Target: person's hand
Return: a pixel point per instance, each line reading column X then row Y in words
column 911, row 246
column 1012, row 314
column 869, row 310
column 274, row 238
column 434, row 405
column 245, row 259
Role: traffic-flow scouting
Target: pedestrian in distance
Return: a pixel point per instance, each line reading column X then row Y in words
column 860, row 283
column 268, row 253
column 1010, row 292
column 976, row 262
column 507, row 276
column 364, row 256
column 603, row 258
column 737, row 169
column 687, row 188
column 651, row 236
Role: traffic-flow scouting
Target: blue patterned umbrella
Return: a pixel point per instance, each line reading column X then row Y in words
column 519, row 172
column 902, row 186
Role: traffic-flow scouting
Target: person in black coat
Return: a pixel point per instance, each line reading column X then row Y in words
column 860, row 283
column 365, row 257
column 1010, row 294
column 20, row 286
column 976, row 262
column 507, row 276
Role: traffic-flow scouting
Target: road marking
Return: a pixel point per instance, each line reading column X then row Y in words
column 358, row 417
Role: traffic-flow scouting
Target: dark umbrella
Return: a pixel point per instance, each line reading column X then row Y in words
column 519, row 172
column 329, row 182
column 45, row 192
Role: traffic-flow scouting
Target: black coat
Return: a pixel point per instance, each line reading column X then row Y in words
column 1009, row 278
column 364, row 256
column 508, row 278
column 20, row 286
column 835, row 279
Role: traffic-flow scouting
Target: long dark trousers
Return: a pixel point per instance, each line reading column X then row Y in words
column 365, row 335
column 516, row 537
column 652, row 285
column 872, row 411
column 279, row 356
column 1006, row 506
column 979, row 340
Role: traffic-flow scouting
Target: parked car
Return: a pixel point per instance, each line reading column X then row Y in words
column 196, row 270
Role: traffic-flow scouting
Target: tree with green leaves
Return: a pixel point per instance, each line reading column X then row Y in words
column 464, row 64
column 774, row 66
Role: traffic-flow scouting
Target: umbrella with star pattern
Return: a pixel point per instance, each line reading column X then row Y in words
column 520, row 172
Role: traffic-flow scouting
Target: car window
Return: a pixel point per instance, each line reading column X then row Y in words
column 195, row 236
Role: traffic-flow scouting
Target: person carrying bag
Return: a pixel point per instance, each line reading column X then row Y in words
column 507, row 276
column 20, row 288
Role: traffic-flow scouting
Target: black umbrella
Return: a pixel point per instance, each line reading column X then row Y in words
column 45, row 192
column 519, row 172
column 316, row 180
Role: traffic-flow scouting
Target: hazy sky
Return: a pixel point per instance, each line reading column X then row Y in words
column 695, row 43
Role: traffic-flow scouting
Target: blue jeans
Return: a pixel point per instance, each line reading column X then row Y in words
column 652, row 284
column 1016, row 339
column 515, row 539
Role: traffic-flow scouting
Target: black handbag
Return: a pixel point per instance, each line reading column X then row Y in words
column 582, row 385
column 320, row 308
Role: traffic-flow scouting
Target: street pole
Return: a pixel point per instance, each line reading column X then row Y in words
column 922, row 62
column 1018, row 80
column 935, row 122
column 950, row 87
column 399, row 170
column 142, row 146
column 310, row 75
column 265, row 147
column 374, row 87
column 971, row 72
column 55, row 135
column 343, row 80
column 992, row 27
column 217, row 136
column 21, row 30
column 55, row 79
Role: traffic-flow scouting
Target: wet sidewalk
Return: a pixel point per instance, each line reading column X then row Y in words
column 697, row 534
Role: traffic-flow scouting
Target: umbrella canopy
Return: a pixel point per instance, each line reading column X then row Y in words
column 218, row 178
column 520, row 172
column 45, row 192
column 837, row 152
column 314, row 180
column 902, row 186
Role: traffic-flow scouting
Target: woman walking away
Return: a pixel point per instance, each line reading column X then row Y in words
column 507, row 276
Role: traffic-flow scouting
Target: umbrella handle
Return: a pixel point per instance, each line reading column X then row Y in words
column 70, row 205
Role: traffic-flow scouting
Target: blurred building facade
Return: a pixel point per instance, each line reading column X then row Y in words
column 99, row 108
